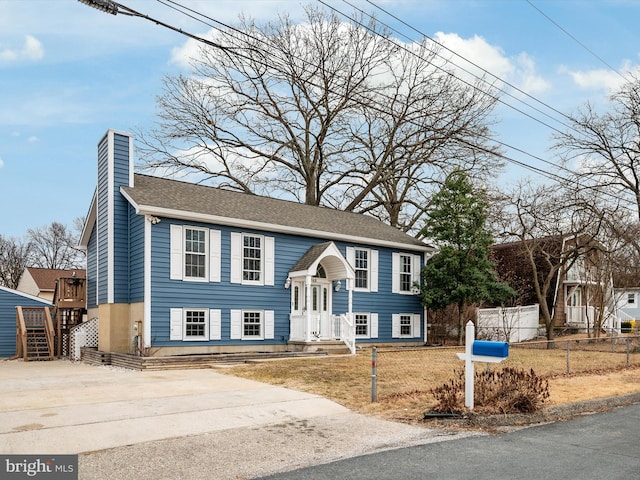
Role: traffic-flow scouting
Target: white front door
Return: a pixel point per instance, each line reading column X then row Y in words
column 320, row 308
column 311, row 314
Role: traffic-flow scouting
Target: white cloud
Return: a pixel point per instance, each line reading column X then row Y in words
column 33, row 139
column 31, row 50
column 1, row 162
column 519, row 70
column 603, row 79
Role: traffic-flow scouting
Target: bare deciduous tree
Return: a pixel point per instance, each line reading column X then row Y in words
column 15, row 255
column 606, row 145
column 54, row 247
column 323, row 112
column 553, row 231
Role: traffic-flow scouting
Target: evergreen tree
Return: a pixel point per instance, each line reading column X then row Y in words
column 460, row 273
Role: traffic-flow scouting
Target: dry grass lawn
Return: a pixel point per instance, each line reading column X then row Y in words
column 405, row 377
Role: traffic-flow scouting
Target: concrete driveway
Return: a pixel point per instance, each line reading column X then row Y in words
column 61, row 407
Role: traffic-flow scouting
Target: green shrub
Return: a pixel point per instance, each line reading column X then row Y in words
column 509, row 390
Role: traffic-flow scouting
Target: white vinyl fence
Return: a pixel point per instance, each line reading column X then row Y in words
column 512, row 324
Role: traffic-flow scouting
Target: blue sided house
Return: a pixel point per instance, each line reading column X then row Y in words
column 176, row 268
column 9, row 300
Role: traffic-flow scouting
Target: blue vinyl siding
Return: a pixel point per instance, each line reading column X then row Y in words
column 120, row 219
column 9, row 300
column 102, row 219
column 383, row 302
column 136, row 257
column 117, row 177
column 92, row 271
column 225, row 296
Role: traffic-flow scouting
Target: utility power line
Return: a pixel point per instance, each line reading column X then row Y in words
column 235, row 51
column 566, row 32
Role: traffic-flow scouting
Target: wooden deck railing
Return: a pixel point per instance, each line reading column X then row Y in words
column 70, row 292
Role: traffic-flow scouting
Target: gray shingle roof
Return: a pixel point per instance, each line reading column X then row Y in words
column 175, row 198
column 311, row 256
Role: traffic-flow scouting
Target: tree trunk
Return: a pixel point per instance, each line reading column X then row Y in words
column 461, row 326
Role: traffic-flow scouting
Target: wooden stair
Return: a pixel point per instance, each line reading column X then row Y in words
column 37, row 345
column 34, row 333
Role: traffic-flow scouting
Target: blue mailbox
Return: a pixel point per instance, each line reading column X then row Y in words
column 490, row 349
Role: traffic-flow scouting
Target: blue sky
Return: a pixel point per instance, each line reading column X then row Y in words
column 69, row 72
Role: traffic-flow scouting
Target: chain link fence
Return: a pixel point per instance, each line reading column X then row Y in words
column 398, row 372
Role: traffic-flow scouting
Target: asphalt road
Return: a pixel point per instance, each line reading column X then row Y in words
column 599, row 446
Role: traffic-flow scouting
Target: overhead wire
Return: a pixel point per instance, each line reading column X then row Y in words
column 511, row 160
column 470, row 62
column 566, row 32
column 194, row 14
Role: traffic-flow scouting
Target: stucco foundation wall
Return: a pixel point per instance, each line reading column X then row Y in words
column 119, row 325
column 113, row 328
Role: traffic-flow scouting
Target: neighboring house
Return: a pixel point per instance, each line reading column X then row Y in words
column 576, row 297
column 628, row 299
column 41, row 282
column 178, row 268
column 9, row 300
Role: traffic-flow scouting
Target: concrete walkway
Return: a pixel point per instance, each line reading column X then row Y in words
column 62, row 407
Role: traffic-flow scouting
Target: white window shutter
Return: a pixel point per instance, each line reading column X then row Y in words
column 351, row 257
column 373, row 331
column 236, row 257
column 214, row 255
column 395, row 272
column 236, row 324
column 415, row 325
column 269, row 324
column 175, row 249
column 395, row 325
column 415, row 273
column 215, row 324
column 373, row 270
column 269, row 260
column 175, row 324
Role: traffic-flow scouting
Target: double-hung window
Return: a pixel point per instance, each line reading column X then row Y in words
column 252, row 259
column 252, row 327
column 405, row 325
column 406, row 273
column 361, row 267
column 195, row 253
column 195, row 325
column 406, row 278
column 252, row 265
column 366, row 325
column 631, row 298
column 362, row 325
column 252, row 324
column 364, row 262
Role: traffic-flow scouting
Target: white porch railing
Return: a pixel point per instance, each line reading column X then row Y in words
column 342, row 328
column 624, row 316
column 345, row 330
column 578, row 315
column 584, row 317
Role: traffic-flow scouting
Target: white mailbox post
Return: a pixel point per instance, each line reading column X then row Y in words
column 478, row 351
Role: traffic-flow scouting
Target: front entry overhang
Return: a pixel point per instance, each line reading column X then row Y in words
column 304, row 322
column 333, row 262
